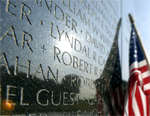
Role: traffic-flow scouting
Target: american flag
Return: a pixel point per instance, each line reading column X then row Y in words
column 112, row 93
column 115, row 90
column 137, row 100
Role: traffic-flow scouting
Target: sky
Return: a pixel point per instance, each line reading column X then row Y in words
column 142, row 20
column 140, row 10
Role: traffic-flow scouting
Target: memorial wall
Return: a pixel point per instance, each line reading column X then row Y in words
column 52, row 53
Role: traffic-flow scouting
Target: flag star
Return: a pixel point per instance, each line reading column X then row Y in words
column 135, row 56
column 135, row 51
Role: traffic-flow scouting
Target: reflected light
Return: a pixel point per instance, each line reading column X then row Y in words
column 64, row 46
column 8, row 105
column 67, row 43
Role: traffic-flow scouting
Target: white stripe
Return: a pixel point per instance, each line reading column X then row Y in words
column 134, row 90
column 140, row 79
column 134, row 72
column 133, row 65
column 143, row 100
column 146, row 87
column 145, row 74
column 134, row 102
column 142, row 63
column 135, row 107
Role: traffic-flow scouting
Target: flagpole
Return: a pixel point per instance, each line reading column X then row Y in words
column 139, row 38
column 141, row 44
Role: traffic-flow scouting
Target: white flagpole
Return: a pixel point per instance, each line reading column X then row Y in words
column 141, row 44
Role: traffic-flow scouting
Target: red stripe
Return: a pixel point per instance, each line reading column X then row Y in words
column 133, row 79
column 147, row 92
column 133, row 70
column 139, row 101
column 130, row 110
column 148, row 105
column 144, row 68
column 146, row 80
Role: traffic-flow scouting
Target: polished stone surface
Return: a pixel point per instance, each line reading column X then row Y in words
column 52, row 53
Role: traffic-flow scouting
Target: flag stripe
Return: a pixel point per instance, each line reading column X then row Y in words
column 143, row 69
column 143, row 101
column 130, row 110
column 146, row 80
column 135, row 103
column 147, row 105
column 133, row 65
column 139, row 106
column 146, row 87
column 142, row 63
column 135, row 69
column 140, row 80
column 145, row 74
column 143, row 97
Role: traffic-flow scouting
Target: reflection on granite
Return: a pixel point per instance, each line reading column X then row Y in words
column 35, row 95
column 52, row 51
